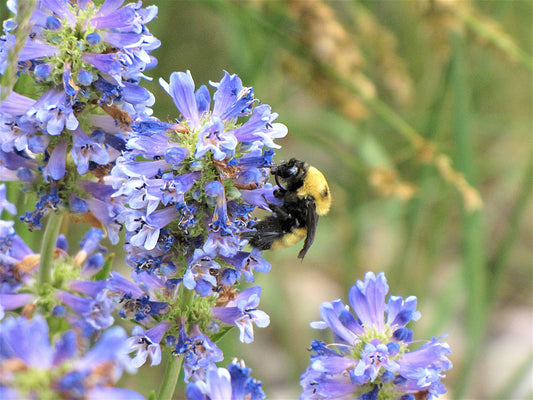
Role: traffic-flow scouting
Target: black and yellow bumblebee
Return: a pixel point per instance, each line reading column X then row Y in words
column 305, row 196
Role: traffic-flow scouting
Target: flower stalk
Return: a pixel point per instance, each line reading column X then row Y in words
column 170, row 379
column 48, row 247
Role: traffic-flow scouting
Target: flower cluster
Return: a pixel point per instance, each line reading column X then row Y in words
column 83, row 63
column 189, row 187
column 370, row 357
column 34, row 369
column 89, row 354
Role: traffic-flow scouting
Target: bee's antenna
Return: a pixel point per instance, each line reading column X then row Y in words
column 277, row 182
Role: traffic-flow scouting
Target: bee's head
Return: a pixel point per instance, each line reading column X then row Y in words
column 291, row 171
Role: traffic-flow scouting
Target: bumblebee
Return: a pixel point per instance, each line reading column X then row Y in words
column 305, row 196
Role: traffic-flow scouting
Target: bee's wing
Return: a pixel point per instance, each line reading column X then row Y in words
column 311, row 224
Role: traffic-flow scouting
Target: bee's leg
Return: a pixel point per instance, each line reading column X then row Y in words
column 279, row 193
column 284, row 218
column 280, row 212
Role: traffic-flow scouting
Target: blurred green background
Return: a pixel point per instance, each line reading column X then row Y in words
column 419, row 113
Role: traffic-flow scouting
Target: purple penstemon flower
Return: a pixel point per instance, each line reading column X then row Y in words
column 243, row 313
column 95, row 310
column 247, row 262
column 52, row 113
column 4, row 203
column 198, row 274
column 135, row 301
column 88, row 244
column 149, row 227
column 233, row 383
column 48, row 202
column 370, row 352
column 199, row 353
column 147, row 344
column 85, row 149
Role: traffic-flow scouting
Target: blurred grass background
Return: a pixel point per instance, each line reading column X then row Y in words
column 419, row 113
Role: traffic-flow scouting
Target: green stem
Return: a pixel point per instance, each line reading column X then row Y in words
column 168, row 384
column 24, row 12
column 172, row 372
column 473, row 256
column 499, row 260
column 48, row 246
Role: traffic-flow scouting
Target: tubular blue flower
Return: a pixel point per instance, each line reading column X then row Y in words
column 372, row 349
column 107, row 213
column 47, row 202
column 13, row 301
column 27, row 340
column 141, row 194
column 14, row 167
column 422, row 368
column 53, row 112
column 234, row 383
column 375, row 356
column 135, row 301
column 212, row 138
column 199, row 352
column 232, row 99
column 14, row 132
column 88, row 244
column 77, row 205
column 260, row 127
column 224, row 242
column 175, row 187
column 95, row 311
column 147, row 343
column 102, row 366
column 243, row 385
column 93, row 264
column 242, row 312
column 56, row 166
column 152, row 263
column 220, row 220
column 198, row 274
column 4, row 203
column 85, row 149
column 149, row 227
column 247, row 262
column 17, row 262
column 12, row 244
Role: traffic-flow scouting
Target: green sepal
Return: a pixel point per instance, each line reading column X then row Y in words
column 103, row 274
column 220, row 334
column 152, row 395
